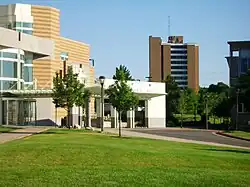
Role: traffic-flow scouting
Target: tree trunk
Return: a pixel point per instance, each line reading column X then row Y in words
column 120, row 124
column 55, row 116
column 68, row 118
column 79, row 116
column 181, row 119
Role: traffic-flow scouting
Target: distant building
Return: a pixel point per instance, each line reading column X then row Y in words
column 238, row 59
column 175, row 58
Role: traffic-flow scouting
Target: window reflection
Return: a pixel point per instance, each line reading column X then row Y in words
column 9, row 69
column 9, row 55
column 28, row 74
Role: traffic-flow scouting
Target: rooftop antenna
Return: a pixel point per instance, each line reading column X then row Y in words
column 168, row 25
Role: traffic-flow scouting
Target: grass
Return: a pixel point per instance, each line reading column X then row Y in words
column 241, row 134
column 76, row 158
column 4, row 129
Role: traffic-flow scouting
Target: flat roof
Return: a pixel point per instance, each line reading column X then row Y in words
column 238, row 42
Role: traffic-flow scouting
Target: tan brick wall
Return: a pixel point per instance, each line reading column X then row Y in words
column 47, row 25
column 193, row 67
column 155, row 58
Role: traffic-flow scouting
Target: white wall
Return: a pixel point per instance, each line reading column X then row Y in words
column 155, row 112
column 45, row 111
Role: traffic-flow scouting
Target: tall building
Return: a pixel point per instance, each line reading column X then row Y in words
column 175, row 58
column 238, row 59
column 33, row 73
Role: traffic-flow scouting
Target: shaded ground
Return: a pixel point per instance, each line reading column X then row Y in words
column 198, row 135
column 75, row 158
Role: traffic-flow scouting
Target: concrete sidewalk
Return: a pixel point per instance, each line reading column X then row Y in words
column 130, row 133
column 21, row 133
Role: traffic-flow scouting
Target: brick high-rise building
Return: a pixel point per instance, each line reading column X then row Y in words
column 175, row 58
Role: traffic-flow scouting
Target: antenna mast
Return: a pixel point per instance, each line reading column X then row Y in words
column 168, row 25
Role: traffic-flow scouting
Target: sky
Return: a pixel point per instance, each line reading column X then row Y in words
column 118, row 30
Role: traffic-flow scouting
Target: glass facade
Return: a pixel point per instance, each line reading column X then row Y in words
column 9, row 55
column 9, row 69
column 9, row 85
column 28, row 74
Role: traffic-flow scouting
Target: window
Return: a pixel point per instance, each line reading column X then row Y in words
column 17, row 24
column 178, row 62
column 178, row 67
column 178, row 57
column 9, row 55
column 179, row 52
column 22, row 57
column 28, row 74
column 178, row 46
column 9, row 85
column 28, row 32
column 244, row 65
column 180, row 78
column 179, row 72
column 9, row 69
column 80, row 65
column 28, row 61
column 27, row 25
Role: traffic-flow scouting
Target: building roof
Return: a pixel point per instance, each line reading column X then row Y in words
column 237, row 45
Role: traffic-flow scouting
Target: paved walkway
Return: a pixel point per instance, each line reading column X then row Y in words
column 20, row 133
column 132, row 133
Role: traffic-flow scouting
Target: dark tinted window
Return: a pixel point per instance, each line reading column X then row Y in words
column 178, row 67
column 178, row 72
column 9, row 69
column 178, row 57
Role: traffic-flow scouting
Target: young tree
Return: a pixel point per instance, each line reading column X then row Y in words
column 67, row 92
column 58, row 93
column 120, row 94
column 172, row 98
column 183, row 104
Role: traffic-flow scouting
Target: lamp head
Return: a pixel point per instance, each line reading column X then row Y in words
column 102, row 79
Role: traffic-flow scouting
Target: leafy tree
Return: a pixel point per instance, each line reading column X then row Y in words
column 122, row 72
column 121, row 95
column 173, row 96
column 66, row 91
column 183, row 104
column 58, row 92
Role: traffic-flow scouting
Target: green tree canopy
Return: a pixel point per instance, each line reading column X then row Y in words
column 120, row 94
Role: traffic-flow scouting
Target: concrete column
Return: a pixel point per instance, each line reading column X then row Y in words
column 1, row 111
column 147, row 114
column 131, row 119
column 114, row 117
column 7, row 112
column 98, row 112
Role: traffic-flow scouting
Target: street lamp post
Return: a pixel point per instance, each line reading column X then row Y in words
column 237, row 108
column 102, row 79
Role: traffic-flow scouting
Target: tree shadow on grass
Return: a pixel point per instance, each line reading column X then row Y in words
column 227, row 150
column 117, row 137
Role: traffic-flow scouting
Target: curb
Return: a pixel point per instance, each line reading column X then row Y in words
column 231, row 136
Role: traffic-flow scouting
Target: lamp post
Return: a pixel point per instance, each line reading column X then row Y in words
column 102, row 79
column 237, row 108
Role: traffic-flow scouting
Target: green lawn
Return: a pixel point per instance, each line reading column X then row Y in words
column 6, row 129
column 241, row 134
column 75, row 158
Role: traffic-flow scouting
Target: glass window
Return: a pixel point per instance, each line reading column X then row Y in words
column 178, row 57
column 9, row 85
column 22, row 57
column 17, row 24
column 18, row 30
column 28, row 86
column 178, row 67
column 179, row 72
column 21, row 71
column 9, row 69
column 244, row 65
column 28, row 61
column 27, row 25
column 180, row 78
column 9, row 55
column 28, row 74
column 28, row 32
column 178, row 62
column 179, row 52
column 182, row 83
